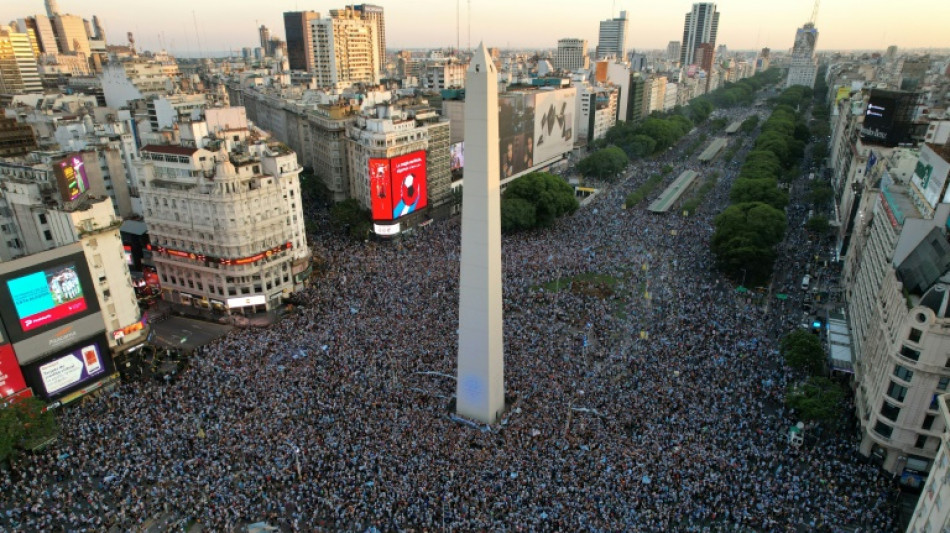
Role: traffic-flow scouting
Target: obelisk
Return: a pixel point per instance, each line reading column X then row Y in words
column 480, row 389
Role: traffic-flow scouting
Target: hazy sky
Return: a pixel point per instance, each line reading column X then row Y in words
column 743, row 24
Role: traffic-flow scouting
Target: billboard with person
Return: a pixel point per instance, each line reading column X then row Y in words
column 71, row 177
column 457, row 156
column 535, row 127
column 553, row 123
column 516, row 132
column 397, row 186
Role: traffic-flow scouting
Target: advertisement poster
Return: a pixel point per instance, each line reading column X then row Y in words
column 457, row 152
column 72, row 368
column 71, row 176
column 47, row 296
column 11, row 379
column 379, row 189
column 516, row 133
column 408, row 183
column 553, row 124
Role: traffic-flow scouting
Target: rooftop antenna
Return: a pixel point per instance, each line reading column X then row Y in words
column 197, row 37
column 469, row 25
column 814, row 13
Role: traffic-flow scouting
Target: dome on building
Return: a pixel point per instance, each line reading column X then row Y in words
column 224, row 168
column 937, row 300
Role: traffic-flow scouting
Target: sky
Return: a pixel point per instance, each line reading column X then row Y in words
column 224, row 25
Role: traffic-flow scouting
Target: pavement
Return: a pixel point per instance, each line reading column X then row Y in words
column 186, row 333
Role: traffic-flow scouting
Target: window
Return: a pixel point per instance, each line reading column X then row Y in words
column 883, row 429
column 913, row 354
column 897, row 392
column 928, row 421
column 903, row 373
column 915, row 335
column 943, row 383
column 48, row 235
column 921, row 442
column 890, row 411
column 42, row 218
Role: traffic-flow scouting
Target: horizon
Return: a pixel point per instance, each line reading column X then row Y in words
column 202, row 30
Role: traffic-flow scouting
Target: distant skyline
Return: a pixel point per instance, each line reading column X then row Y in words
column 743, row 25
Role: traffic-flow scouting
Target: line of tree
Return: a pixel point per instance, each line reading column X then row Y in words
column 748, row 230
column 660, row 131
column 536, row 200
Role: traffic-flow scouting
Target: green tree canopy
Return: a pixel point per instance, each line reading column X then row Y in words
column 802, row 351
column 551, row 196
column 817, row 399
column 758, row 190
column 818, row 225
column 349, row 217
column 517, row 215
column 604, row 164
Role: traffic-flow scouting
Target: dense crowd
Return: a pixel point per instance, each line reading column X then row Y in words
column 647, row 399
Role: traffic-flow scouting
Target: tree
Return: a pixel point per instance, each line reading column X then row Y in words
column 803, row 351
column 641, row 146
column 818, row 225
column 517, row 215
column 817, row 399
column 604, row 164
column 821, row 193
column 749, row 124
column 25, row 424
column 758, row 190
column 349, row 217
column 744, row 240
column 550, row 195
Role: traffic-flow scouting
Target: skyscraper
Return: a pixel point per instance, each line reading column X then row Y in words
column 673, row 51
column 71, row 34
column 803, row 67
column 612, row 41
column 345, row 49
column 299, row 38
column 571, row 54
column 264, row 34
column 374, row 14
column 702, row 24
column 18, row 71
column 52, row 9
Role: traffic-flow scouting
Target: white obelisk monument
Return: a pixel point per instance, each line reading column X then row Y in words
column 480, row 390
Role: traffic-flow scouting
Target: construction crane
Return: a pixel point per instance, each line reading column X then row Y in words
column 814, row 13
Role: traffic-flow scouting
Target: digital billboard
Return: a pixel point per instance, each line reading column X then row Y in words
column 534, row 128
column 379, row 189
column 878, row 126
column 11, row 379
column 47, row 294
column 397, row 185
column 408, row 183
column 71, row 177
column 457, row 153
column 79, row 365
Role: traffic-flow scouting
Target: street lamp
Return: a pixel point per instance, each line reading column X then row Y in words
column 743, row 278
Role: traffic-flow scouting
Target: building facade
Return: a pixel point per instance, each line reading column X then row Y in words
column 612, row 39
column 19, row 72
column 227, row 228
column 701, row 26
column 345, row 50
column 571, row 55
column 299, row 39
column 375, row 15
column 803, row 67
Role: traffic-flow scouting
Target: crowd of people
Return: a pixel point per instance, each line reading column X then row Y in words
column 646, row 398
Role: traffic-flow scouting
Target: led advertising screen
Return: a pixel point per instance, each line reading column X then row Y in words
column 47, row 296
column 408, row 183
column 80, row 365
column 516, row 133
column 11, row 379
column 879, row 119
column 553, row 123
column 379, row 189
column 457, row 153
column 71, row 177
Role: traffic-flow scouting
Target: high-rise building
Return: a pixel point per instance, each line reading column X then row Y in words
column 71, row 34
column 100, row 33
column 803, row 67
column 701, row 26
column 913, row 72
column 374, row 14
column 673, row 51
column 52, row 9
column 571, row 55
column 345, row 49
column 264, row 34
column 45, row 36
column 612, row 41
column 18, row 70
column 299, row 39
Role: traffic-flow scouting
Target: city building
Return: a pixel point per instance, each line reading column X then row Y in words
column 18, row 69
column 16, row 139
column 135, row 80
column 445, row 73
column 299, row 39
column 803, row 67
column 700, row 28
column 612, row 40
column 264, row 34
column 673, row 51
column 398, row 157
column 225, row 220
column 933, row 506
column 376, row 16
column 71, row 34
column 571, row 55
column 345, row 50
column 596, row 111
